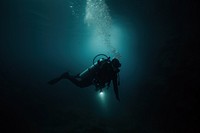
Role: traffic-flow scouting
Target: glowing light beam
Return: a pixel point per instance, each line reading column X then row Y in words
column 98, row 18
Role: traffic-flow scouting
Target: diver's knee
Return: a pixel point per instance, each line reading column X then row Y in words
column 65, row 75
column 82, row 85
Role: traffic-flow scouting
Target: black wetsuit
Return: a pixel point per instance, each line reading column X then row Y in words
column 103, row 75
column 107, row 74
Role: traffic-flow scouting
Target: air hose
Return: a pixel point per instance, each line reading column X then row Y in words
column 98, row 56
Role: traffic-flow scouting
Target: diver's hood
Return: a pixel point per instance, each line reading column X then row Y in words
column 116, row 63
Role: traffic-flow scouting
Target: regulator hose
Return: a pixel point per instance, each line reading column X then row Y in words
column 98, row 56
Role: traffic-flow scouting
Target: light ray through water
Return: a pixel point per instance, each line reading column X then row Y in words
column 97, row 17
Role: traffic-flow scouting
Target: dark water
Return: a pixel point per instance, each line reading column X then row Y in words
column 159, row 91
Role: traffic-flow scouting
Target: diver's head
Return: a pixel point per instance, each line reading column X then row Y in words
column 115, row 63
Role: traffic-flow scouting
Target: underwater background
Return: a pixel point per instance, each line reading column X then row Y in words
column 156, row 42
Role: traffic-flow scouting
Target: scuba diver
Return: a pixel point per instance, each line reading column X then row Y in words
column 100, row 74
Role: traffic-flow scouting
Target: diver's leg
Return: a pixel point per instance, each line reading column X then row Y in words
column 56, row 80
column 79, row 82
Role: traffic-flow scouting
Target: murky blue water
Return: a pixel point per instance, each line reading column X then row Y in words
column 41, row 39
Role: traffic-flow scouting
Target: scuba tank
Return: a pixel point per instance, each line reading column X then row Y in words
column 93, row 70
column 89, row 72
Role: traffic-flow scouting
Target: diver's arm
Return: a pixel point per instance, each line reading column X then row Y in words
column 115, row 87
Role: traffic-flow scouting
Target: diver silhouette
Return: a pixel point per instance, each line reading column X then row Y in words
column 100, row 74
